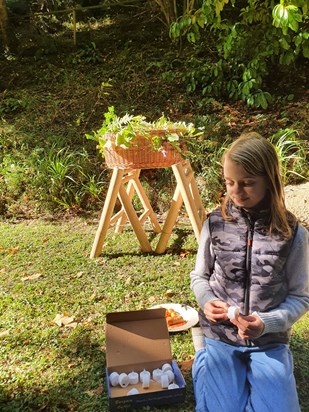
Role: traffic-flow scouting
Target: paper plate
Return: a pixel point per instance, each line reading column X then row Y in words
column 189, row 314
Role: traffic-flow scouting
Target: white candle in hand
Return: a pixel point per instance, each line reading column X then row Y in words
column 232, row 312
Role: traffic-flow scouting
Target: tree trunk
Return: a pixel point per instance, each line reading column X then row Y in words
column 3, row 22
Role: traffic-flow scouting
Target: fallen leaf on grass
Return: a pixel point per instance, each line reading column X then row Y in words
column 95, row 392
column 32, row 277
column 184, row 254
column 76, row 276
column 62, row 319
column 12, row 250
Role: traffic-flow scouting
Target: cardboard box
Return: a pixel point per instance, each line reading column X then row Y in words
column 136, row 341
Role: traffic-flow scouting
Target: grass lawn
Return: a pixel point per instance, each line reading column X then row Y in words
column 46, row 271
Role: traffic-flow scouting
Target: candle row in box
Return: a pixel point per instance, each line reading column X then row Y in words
column 164, row 375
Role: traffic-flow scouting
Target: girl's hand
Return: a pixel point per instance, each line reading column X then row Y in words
column 249, row 327
column 216, row 310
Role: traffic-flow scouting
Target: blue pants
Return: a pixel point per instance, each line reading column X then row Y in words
column 230, row 378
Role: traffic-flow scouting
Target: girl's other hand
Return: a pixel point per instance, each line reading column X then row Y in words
column 249, row 327
column 216, row 310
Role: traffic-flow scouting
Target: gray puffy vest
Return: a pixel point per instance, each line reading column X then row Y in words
column 249, row 272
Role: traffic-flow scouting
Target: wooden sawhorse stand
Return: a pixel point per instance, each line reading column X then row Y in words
column 124, row 183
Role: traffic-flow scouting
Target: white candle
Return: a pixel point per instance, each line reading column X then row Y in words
column 114, row 378
column 166, row 367
column 170, row 375
column 143, row 374
column 144, row 377
column 146, row 381
column 232, row 312
column 164, row 381
column 123, row 380
column 133, row 391
column 173, row 386
column 133, row 378
column 156, row 374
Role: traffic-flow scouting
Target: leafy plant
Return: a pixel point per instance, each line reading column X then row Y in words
column 291, row 153
column 87, row 54
column 124, row 131
column 250, row 38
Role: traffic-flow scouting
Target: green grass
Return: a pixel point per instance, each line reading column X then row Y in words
column 47, row 367
column 51, row 368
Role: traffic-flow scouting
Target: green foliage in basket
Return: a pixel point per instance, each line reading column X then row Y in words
column 124, row 131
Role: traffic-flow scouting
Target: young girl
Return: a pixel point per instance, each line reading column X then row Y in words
column 252, row 258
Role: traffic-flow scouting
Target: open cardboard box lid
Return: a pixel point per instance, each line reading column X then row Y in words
column 137, row 337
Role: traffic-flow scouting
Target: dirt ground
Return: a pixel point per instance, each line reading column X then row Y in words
column 297, row 201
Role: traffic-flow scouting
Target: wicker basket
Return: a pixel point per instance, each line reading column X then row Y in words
column 142, row 155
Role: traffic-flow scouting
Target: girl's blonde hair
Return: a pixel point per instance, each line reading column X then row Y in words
column 259, row 158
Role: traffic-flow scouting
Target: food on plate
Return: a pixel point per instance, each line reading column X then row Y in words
column 174, row 318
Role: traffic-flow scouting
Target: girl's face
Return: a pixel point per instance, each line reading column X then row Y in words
column 245, row 190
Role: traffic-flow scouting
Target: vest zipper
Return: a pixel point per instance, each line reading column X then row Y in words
column 250, row 224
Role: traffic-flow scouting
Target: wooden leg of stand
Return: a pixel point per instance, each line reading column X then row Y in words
column 130, row 191
column 132, row 216
column 149, row 212
column 107, row 211
column 170, row 221
column 184, row 186
column 197, row 200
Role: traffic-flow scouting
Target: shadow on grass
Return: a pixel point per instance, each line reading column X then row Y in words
column 82, row 388
column 175, row 246
column 79, row 387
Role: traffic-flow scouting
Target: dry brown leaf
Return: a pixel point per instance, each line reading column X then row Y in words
column 90, row 392
column 184, row 254
column 71, row 325
column 13, row 250
column 32, row 277
column 61, row 319
column 99, row 390
column 4, row 333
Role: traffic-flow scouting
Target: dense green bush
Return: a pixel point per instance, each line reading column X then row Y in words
column 251, row 39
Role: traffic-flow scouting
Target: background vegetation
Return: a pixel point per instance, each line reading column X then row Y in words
column 52, row 92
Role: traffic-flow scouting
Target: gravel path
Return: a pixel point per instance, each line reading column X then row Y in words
column 297, row 201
